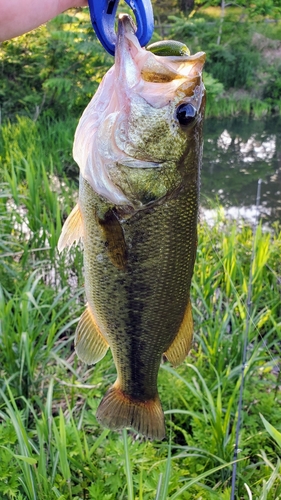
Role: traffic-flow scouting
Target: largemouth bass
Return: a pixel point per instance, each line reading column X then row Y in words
column 139, row 148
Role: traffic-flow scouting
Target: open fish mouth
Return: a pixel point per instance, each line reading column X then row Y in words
column 146, row 72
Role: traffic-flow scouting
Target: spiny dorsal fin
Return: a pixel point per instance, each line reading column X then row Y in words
column 90, row 345
column 181, row 344
column 72, row 229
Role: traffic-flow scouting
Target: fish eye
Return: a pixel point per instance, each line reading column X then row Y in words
column 186, row 113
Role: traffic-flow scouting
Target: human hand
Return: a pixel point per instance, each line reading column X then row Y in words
column 20, row 16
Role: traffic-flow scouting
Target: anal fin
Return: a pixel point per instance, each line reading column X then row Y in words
column 72, row 229
column 181, row 344
column 90, row 345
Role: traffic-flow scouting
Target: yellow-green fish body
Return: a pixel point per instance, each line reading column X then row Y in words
column 137, row 216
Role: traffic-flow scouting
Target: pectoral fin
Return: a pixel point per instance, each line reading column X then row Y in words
column 114, row 239
column 72, row 229
column 181, row 345
column 90, row 345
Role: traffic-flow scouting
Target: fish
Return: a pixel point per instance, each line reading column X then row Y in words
column 139, row 148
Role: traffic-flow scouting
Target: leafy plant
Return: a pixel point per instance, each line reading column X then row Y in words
column 234, row 65
column 272, row 88
column 66, row 46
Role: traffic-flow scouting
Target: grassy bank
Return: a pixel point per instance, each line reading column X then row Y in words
column 51, row 445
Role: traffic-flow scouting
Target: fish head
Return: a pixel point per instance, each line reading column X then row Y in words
column 147, row 113
column 160, row 97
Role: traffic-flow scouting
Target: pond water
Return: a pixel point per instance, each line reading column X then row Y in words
column 237, row 153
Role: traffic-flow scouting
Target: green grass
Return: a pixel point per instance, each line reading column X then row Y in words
column 231, row 105
column 51, row 446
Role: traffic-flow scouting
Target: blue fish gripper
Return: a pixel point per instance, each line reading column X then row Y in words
column 103, row 13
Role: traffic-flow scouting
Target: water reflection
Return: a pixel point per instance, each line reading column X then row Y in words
column 237, row 153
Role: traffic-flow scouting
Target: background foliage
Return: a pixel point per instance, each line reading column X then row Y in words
column 41, row 70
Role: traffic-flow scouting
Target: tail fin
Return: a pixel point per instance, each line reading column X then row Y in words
column 117, row 410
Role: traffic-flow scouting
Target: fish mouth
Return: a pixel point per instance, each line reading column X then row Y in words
column 158, row 79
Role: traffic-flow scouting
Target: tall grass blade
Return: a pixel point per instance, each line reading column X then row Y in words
column 60, row 438
column 274, row 433
column 25, row 458
column 248, row 491
column 167, row 473
column 159, row 488
column 128, row 469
